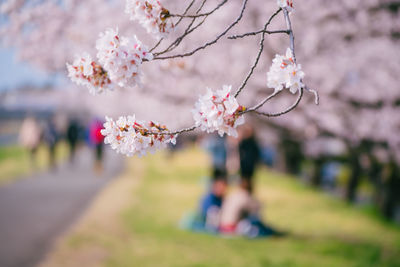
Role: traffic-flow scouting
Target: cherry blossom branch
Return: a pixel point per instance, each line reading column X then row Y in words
column 291, row 36
column 259, row 53
column 292, row 48
column 263, row 32
column 211, row 42
column 216, row 110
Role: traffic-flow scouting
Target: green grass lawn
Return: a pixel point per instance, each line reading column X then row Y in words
column 323, row 231
column 15, row 161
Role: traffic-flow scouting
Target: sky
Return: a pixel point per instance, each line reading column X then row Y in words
column 14, row 74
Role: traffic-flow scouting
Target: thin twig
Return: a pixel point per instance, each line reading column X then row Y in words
column 301, row 90
column 199, row 15
column 179, row 21
column 316, row 96
column 295, row 104
column 188, row 30
column 185, row 130
column 263, row 32
column 233, row 37
column 259, row 105
column 258, row 55
column 211, row 42
column 186, row 10
column 157, row 44
column 292, row 47
column 291, row 34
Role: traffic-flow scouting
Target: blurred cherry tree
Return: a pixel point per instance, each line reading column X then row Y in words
column 348, row 49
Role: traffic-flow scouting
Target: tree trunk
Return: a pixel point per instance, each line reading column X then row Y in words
column 355, row 177
column 375, row 174
column 391, row 192
column 293, row 155
column 316, row 176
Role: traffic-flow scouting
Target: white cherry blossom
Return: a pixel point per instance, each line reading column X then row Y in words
column 285, row 73
column 288, row 4
column 151, row 15
column 84, row 71
column 130, row 137
column 121, row 57
column 218, row 111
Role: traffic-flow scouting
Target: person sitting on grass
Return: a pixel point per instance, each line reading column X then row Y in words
column 240, row 214
column 211, row 202
column 206, row 218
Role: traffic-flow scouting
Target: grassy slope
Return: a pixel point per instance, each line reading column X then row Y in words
column 15, row 161
column 324, row 231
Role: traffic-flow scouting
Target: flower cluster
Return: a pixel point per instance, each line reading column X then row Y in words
column 288, row 4
column 130, row 137
column 151, row 15
column 218, row 111
column 84, row 71
column 121, row 57
column 285, row 73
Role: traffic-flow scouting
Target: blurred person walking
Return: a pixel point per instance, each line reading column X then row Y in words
column 232, row 161
column 211, row 202
column 29, row 137
column 96, row 139
column 216, row 146
column 50, row 137
column 72, row 138
column 249, row 152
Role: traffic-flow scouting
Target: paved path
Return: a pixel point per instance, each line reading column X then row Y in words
column 35, row 211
